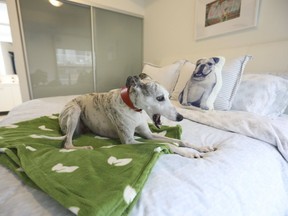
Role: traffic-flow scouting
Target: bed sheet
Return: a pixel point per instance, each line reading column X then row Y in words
column 244, row 176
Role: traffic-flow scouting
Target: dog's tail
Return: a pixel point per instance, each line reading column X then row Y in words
column 35, row 136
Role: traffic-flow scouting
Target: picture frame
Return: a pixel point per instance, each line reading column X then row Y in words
column 217, row 17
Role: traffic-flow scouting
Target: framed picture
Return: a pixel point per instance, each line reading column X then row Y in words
column 215, row 17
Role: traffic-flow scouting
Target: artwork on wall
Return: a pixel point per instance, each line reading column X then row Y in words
column 215, row 17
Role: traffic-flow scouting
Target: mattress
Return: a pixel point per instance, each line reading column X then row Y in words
column 247, row 174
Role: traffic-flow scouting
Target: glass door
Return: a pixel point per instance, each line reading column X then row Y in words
column 59, row 43
column 58, row 46
column 118, row 46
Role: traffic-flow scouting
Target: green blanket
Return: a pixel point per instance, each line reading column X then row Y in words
column 103, row 181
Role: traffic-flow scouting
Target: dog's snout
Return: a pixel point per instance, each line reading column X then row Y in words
column 201, row 68
column 179, row 117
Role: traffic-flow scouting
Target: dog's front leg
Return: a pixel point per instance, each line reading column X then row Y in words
column 202, row 149
column 183, row 148
column 124, row 130
column 126, row 136
column 145, row 132
column 185, row 152
column 180, row 143
column 175, row 145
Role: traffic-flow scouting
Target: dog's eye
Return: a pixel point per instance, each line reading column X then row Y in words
column 160, row 98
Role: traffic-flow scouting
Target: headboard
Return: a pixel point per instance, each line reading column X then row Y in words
column 269, row 57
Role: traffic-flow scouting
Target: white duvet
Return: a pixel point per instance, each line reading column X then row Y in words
column 270, row 130
column 246, row 175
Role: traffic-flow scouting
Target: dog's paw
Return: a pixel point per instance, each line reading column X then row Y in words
column 192, row 154
column 195, row 155
column 186, row 152
column 205, row 149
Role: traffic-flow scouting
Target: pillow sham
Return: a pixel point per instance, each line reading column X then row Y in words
column 202, row 88
column 262, row 94
column 231, row 76
column 184, row 75
column 166, row 76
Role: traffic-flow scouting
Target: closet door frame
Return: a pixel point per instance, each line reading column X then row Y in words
column 19, row 45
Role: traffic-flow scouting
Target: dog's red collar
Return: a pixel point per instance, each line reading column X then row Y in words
column 125, row 97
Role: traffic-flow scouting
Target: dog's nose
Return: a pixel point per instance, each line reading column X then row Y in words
column 179, row 117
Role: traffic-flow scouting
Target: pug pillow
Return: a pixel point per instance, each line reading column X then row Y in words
column 204, row 84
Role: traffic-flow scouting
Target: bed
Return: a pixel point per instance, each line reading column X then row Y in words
column 246, row 175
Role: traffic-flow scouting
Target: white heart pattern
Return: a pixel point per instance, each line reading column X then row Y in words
column 109, row 146
column 118, row 162
column 31, row 148
column 67, row 150
column 158, row 149
column 59, row 168
column 20, row 169
column 12, row 126
column 137, row 137
column 43, row 127
column 35, row 136
column 2, row 150
column 100, row 137
column 74, row 209
column 163, row 133
column 129, row 194
column 53, row 117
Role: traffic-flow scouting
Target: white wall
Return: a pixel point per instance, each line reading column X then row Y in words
column 169, row 31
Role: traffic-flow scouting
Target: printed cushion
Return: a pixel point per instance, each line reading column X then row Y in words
column 184, row 75
column 231, row 76
column 167, row 76
column 202, row 88
column 263, row 94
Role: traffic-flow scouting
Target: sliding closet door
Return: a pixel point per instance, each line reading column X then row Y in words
column 58, row 48
column 118, row 46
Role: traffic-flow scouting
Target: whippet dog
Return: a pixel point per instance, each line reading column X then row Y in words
column 119, row 114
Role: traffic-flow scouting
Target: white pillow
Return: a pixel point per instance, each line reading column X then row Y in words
column 262, row 94
column 204, row 84
column 167, row 76
column 231, row 76
column 184, row 74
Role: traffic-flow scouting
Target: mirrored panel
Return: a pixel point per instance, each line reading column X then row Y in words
column 58, row 47
column 118, row 46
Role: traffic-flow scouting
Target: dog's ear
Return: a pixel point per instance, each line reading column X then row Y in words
column 200, row 61
column 216, row 59
column 144, row 76
column 132, row 81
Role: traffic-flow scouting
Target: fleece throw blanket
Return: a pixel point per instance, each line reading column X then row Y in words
column 103, row 181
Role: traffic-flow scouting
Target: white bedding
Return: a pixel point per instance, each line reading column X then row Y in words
column 246, row 175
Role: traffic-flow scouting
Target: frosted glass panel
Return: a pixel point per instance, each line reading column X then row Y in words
column 59, row 48
column 118, row 46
